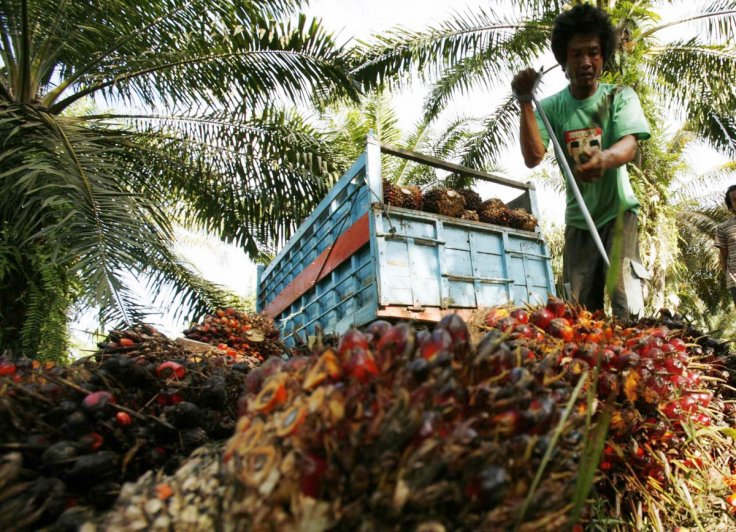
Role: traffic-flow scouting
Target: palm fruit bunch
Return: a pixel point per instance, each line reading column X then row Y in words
column 520, row 219
column 444, row 201
column 470, row 215
column 192, row 498
column 664, row 389
column 409, row 197
column 402, row 429
column 395, row 428
column 239, row 334
column 473, row 201
column 141, row 402
column 494, row 211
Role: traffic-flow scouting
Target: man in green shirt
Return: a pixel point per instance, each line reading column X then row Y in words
column 598, row 126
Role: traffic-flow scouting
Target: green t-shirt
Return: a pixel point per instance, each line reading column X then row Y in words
column 596, row 123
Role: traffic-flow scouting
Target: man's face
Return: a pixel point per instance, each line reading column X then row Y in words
column 584, row 63
column 732, row 195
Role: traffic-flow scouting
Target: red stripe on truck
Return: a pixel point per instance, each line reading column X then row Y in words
column 343, row 248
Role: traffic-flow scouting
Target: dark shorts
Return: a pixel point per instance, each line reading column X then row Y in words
column 584, row 270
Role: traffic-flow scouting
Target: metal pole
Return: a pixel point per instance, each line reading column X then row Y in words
column 571, row 181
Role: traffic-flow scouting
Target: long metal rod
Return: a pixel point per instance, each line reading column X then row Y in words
column 571, row 182
column 451, row 167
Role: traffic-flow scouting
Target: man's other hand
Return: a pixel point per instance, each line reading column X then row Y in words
column 595, row 163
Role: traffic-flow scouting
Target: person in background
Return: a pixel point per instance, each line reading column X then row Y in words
column 598, row 126
column 726, row 243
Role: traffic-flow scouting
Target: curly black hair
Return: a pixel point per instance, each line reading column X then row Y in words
column 728, row 197
column 583, row 19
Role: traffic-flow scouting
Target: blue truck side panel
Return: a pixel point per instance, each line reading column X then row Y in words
column 413, row 260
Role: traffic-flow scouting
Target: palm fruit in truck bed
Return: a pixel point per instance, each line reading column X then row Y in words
column 473, row 200
column 446, row 202
column 406, row 196
column 494, row 211
column 520, row 219
column 470, row 215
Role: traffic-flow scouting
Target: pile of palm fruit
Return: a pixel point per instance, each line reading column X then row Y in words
column 238, row 333
column 72, row 435
column 399, row 428
column 463, row 203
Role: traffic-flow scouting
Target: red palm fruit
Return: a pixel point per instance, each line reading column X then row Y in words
column 595, row 335
column 703, row 398
column 660, row 385
column 313, row 471
column 542, row 317
column 97, row 401
column 353, row 339
column 556, row 306
column 609, row 452
column 123, row 419
column 606, row 465
column 671, row 410
column 674, row 366
column 522, row 330
column 661, row 332
column 627, row 359
column 459, row 333
column 560, row 328
column 7, row 369
column 505, row 324
column 678, row 381
column 92, row 441
column 377, row 329
column 608, row 385
column 394, row 343
column 607, row 358
column 170, row 369
column 688, row 404
column 701, row 419
column 571, row 350
column 678, row 344
column 126, row 342
column 438, row 342
column 694, row 462
column 495, row 314
column 520, row 315
column 361, row 365
column 508, row 422
column 656, row 472
column 175, row 398
column 667, row 348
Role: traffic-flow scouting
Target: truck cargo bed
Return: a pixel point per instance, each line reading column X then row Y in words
column 356, row 259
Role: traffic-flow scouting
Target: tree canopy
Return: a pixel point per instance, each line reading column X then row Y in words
column 200, row 129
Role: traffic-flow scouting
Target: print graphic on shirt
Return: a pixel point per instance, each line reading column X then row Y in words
column 583, row 142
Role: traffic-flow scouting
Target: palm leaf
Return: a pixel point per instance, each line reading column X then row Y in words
column 393, row 57
column 498, row 131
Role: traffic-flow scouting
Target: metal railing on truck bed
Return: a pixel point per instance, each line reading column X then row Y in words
column 356, row 259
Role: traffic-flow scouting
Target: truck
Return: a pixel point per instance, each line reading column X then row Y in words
column 356, row 259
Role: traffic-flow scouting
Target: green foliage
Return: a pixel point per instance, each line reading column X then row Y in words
column 348, row 125
column 86, row 199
